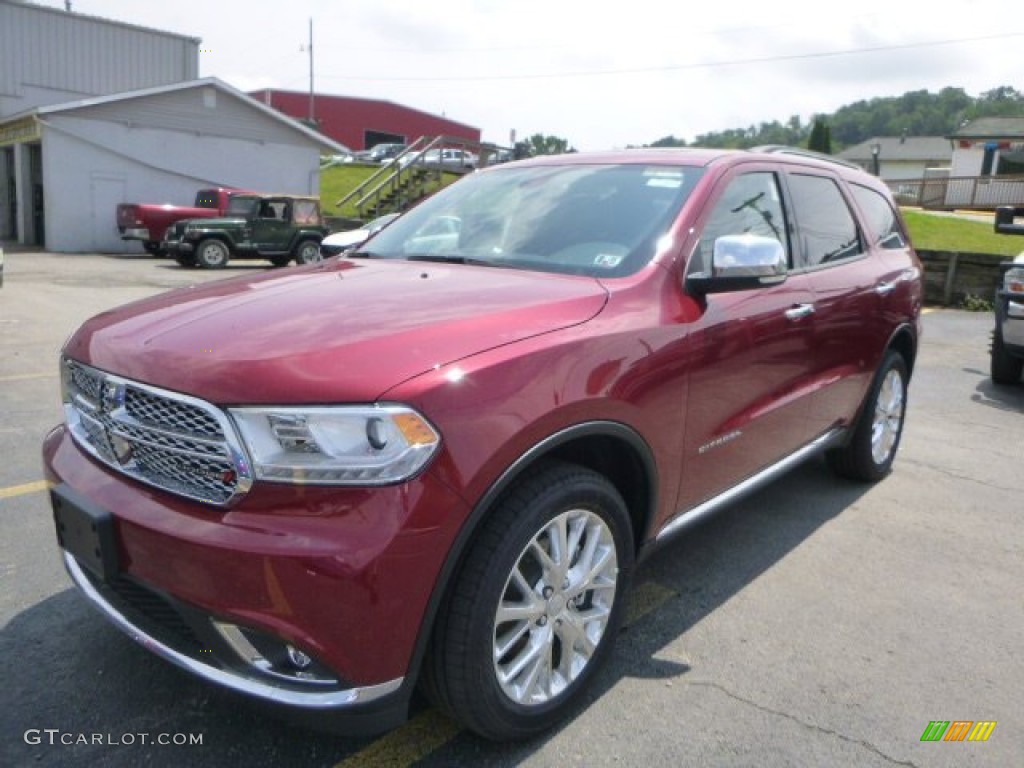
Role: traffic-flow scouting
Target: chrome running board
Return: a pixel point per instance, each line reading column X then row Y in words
column 685, row 519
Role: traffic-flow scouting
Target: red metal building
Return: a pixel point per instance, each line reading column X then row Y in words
column 361, row 123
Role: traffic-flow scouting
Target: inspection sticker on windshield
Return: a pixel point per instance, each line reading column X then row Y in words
column 608, row 260
column 663, row 177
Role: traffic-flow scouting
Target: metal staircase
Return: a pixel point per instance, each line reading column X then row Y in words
column 409, row 177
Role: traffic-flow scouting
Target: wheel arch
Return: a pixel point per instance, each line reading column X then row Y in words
column 904, row 341
column 218, row 235
column 610, row 448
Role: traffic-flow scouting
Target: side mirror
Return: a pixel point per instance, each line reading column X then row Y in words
column 741, row 262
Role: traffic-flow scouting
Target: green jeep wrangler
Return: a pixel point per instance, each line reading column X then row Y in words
column 275, row 227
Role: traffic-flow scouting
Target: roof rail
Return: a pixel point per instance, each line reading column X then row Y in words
column 782, row 149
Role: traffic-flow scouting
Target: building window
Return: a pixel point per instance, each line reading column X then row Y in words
column 986, row 163
column 1010, row 164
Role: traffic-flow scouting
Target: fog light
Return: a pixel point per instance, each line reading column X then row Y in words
column 274, row 657
column 298, row 659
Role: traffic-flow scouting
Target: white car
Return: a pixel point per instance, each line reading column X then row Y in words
column 450, row 158
column 340, row 242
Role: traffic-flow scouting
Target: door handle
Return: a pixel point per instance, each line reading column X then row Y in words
column 884, row 289
column 798, row 311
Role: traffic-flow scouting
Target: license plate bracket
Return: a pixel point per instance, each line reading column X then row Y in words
column 86, row 532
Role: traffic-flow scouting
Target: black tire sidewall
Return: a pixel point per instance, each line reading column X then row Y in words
column 862, row 454
column 1004, row 367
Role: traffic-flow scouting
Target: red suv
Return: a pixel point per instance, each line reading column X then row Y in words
column 435, row 461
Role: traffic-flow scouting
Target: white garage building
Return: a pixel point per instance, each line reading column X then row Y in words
column 95, row 112
column 158, row 145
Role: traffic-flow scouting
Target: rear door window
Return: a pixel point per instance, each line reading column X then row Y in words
column 827, row 228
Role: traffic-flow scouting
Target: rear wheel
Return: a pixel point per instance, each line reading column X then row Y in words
column 535, row 607
column 1005, row 368
column 212, row 254
column 307, row 252
column 870, row 453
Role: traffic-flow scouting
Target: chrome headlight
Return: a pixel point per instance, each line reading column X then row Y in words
column 343, row 445
column 1013, row 280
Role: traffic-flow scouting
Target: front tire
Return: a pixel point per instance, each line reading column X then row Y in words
column 307, row 252
column 1005, row 368
column 869, row 455
column 212, row 254
column 536, row 606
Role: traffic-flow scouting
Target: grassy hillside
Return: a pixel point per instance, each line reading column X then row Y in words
column 947, row 233
column 338, row 181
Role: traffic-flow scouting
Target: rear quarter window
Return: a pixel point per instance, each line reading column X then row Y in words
column 882, row 222
column 307, row 213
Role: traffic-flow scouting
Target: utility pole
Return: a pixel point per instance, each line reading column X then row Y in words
column 312, row 111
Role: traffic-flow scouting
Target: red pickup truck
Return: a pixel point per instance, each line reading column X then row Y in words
column 148, row 222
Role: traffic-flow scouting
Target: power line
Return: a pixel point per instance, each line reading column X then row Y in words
column 680, row 67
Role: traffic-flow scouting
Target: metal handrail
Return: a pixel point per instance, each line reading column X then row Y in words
column 392, row 176
column 383, row 170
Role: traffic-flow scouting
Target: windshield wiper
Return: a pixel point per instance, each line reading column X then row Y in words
column 444, row 258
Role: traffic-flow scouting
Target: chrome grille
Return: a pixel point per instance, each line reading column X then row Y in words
column 168, row 440
column 159, row 411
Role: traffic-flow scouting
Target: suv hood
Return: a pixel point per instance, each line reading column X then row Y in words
column 340, row 331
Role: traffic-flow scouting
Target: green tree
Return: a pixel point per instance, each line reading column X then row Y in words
column 915, row 113
column 821, row 137
column 540, row 144
column 669, row 141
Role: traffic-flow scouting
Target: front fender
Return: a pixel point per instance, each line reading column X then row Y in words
column 549, row 447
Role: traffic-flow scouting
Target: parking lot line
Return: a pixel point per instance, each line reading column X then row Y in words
column 404, row 746
column 28, row 376
column 645, row 598
column 430, row 730
column 21, row 490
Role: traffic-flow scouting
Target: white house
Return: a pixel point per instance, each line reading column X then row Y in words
column 900, row 157
column 988, row 163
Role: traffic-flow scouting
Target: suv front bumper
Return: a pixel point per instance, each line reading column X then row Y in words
column 175, row 247
column 343, row 576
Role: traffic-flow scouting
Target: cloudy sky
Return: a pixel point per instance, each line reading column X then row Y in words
column 601, row 75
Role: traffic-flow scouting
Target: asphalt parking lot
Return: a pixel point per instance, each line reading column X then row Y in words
column 815, row 623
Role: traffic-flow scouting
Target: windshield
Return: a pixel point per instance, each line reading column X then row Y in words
column 597, row 220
